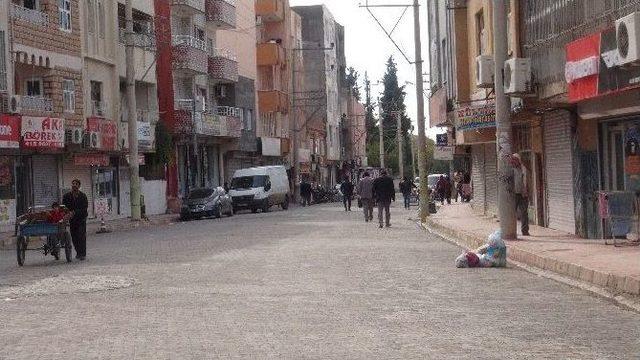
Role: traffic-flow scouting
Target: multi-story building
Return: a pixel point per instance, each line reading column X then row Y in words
column 41, row 85
column 197, row 90
column 275, row 47
column 322, row 73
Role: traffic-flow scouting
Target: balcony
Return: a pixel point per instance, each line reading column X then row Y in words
column 146, row 41
column 188, row 7
column 271, row 53
column 190, row 54
column 273, row 101
column 221, row 13
column 221, row 121
column 270, row 10
column 35, row 104
column 32, row 16
column 223, row 66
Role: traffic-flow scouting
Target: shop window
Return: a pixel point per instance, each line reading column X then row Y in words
column 64, row 12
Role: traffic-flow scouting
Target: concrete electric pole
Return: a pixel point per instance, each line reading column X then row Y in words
column 506, row 198
column 400, row 144
column 134, row 164
column 422, row 142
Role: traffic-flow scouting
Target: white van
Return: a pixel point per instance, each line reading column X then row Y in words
column 260, row 188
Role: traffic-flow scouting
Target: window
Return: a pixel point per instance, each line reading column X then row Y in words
column 101, row 20
column 33, row 87
column 31, row 4
column 199, row 33
column 480, row 33
column 96, row 98
column 69, row 95
column 248, row 119
column 3, row 63
column 64, row 12
column 91, row 17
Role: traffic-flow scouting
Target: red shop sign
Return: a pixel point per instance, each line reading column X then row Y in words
column 9, row 131
column 91, row 160
column 107, row 132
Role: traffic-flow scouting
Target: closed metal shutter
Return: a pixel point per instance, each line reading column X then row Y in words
column 45, row 180
column 559, row 171
column 478, row 178
column 82, row 173
column 491, row 178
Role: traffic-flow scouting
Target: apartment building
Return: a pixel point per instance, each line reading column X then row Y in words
column 321, row 71
column 194, row 78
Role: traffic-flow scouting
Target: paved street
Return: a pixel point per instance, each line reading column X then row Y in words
column 307, row 283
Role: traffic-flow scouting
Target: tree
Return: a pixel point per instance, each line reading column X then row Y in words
column 373, row 146
column 352, row 82
column 392, row 104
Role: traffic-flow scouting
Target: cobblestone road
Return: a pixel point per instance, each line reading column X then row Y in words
column 310, row 283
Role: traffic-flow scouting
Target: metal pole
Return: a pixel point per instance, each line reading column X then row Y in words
column 295, row 173
column 134, row 165
column 400, row 144
column 422, row 148
column 506, row 198
column 196, row 148
column 381, row 131
column 413, row 156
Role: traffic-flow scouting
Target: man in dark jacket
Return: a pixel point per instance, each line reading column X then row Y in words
column 76, row 202
column 305, row 192
column 406, row 188
column 384, row 191
column 347, row 193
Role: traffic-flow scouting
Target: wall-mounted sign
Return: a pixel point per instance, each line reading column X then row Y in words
column 43, row 132
column 141, row 160
column 442, row 139
column 632, row 151
column 9, row 131
column 103, row 133
column 91, row 160
column 475, row 117
column 443, row 153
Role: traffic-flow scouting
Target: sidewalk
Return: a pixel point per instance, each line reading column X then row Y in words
column 7, row 240
column 616, row 269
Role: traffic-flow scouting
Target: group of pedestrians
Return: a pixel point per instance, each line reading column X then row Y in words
column 381, row 192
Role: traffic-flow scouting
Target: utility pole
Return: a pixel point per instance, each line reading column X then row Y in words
column 506, row 198
column 413, row 156
column 293, row 125
column 134, row 163
column 422, row 148
column 400, row 144
column 381, row 131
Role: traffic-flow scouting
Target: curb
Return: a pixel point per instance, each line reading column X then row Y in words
column 607, row 286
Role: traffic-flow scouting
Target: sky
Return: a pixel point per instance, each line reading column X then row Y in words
column 368, row 48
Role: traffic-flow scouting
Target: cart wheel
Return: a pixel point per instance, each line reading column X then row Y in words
column 67, row 246
column 21, row 249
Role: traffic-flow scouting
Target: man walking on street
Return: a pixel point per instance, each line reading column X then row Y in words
column 76, row 202
column 406, row 187
column 305, row 192
column 384, row 192
column 365, row 192
column 347, row 193
column 521, row 190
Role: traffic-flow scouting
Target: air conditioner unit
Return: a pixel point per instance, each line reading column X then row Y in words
column 517, row 76
column 15, row 104
column 485, row 70
column 259, row 20
column 92, row 140
column 220, row 91
column 628, row 38
column 74, row 136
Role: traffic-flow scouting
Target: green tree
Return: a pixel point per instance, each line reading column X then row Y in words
column 373, row 145
column 351, row 79
column 392, row 104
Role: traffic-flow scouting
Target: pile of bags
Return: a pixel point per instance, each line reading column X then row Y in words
column 491, row 254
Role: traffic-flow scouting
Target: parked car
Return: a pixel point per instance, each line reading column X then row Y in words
column 206, row 202
column 260, row 188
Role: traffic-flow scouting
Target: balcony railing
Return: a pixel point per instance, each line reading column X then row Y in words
column 218, row 125
column 191, row 41
column 222, row 13
column 223, row 66
column 141, row 40
column 142, row 115
column 33, row 16
column 227, row 111
column 98, row 108
column 36, row 103
column 193, row 5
